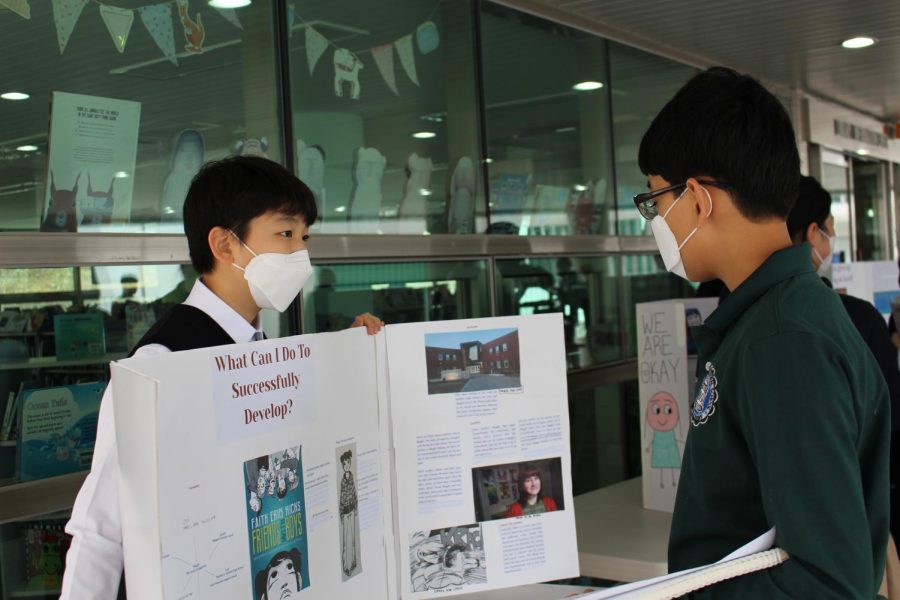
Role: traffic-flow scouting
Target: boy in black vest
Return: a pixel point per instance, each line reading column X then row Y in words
column 791, row 415
column 247, row 223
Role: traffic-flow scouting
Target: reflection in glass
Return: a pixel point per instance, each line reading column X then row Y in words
column 395, row 292
column 642, row 83
column 605, row 435
column 191, row 107
column 548, row 126
column 644, row 279
column 836, row 180
column 385, row 116
column 583, row 289
column 871, row 210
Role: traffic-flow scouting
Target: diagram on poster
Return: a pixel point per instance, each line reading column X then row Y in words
column 92, row 148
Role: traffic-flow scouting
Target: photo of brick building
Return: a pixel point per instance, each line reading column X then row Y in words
column 472, row 361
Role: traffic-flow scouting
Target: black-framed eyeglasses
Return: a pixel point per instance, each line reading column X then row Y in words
column 646, row 202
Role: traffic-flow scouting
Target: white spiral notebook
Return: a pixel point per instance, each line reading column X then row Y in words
column 754, row 556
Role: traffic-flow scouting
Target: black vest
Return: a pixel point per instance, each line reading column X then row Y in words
column 185, row 328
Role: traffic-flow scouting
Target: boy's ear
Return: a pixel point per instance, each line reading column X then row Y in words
column 222, row 244
column 703, row 201
column 810, row 230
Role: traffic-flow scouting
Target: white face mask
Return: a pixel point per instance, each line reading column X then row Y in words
column 669, row 248
column 275, row 279
column 824, row 261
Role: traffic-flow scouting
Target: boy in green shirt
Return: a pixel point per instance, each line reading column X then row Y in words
column 791, row 415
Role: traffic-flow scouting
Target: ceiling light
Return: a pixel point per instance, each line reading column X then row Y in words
column 27, row 148
column 169, row 210
column 587, row 86
column 863, row 152
column 565, row 129
column 579, row 188
column 489, row 160
column 229, row 3
column 340, row 208
column 424, row 192
column 424, row 135
column 121, row 174
column 15, row 96
column 870, row 213
column 858, row 42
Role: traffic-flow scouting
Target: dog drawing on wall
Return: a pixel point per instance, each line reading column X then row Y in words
column 194, row 32
column 346, row 68
column 98, row 206
column 61, row 208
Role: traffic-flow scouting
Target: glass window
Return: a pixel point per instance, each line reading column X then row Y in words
column 385, row 118
column 605, row 435
column 395, row 292
column 872, row 218
column 642, row 83
column 548, row 126
column 64, row 333
column 583, row 289
column 836, row 180
column 645, row 280
column 129, row 129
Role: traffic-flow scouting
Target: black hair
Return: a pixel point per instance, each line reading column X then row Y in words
column 727, row 126
column 262, row 576
column 346, row 456
column 231, row 192
column 813, row 205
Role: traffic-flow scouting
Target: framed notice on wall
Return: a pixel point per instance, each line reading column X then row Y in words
column 92, row 153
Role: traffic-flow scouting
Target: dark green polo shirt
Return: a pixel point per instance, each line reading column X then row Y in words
column 791, row 429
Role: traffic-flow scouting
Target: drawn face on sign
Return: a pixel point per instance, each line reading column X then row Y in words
column 662, row 411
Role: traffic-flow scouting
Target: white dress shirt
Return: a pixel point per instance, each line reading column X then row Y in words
column 94, row 561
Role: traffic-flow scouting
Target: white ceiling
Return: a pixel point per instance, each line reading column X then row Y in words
column 791, row 43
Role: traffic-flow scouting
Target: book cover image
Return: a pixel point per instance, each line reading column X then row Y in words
column 79, row 336
column 57, row 429
column 276, row 523
column 46, row 545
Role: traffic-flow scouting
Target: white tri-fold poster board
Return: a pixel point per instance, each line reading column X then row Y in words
column 432, row 459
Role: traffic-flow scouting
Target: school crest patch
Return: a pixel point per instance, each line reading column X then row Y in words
column 704, row 405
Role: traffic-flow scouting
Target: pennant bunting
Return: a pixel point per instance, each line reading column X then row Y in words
column 118, row 22
column 427, row 37
column 384, row 60
column 405, row 51
column 20, row 7
column 230, row 15
column 315, row 47
column 65, row 16
column 157, row 18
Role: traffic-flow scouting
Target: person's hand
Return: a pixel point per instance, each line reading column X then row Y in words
column 372, row 323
